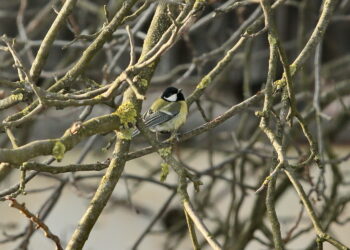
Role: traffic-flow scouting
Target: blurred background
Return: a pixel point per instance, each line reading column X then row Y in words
column 231, row 160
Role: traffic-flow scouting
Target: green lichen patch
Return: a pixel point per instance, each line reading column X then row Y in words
column 143, row 82
column 204, row 82
column 58, row 150
column 164, row 152
column 127, row 114
column 99, row 98
column 18, row 97
column 165, row 171
column 279, row 84
column 272, row 40
column 261, row 113
column 125, row 134
column 26, row 111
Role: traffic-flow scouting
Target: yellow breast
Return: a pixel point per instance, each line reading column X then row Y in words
column 182, row 116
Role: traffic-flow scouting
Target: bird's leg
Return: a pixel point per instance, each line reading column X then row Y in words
column 174, row 135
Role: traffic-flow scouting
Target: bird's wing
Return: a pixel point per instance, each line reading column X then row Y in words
column 167, row 113
column 153, row 118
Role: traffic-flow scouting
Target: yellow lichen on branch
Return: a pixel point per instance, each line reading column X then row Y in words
column 58, row 150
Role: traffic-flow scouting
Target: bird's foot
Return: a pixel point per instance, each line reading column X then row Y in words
column 175, row 135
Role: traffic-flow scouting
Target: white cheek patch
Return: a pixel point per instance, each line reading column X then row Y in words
column 171, row 98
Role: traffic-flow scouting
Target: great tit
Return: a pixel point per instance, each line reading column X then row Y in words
column 167, row 114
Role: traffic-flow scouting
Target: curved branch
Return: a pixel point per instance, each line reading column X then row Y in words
column 46, row 44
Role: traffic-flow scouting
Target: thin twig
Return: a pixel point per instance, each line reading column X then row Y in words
column 132, row 46
column 36, row 220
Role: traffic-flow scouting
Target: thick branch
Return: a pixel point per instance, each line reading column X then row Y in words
column 98, row 125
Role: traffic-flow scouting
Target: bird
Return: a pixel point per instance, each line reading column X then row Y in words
column 167, row 113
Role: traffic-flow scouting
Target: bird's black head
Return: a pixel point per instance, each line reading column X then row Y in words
column 172, row 94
